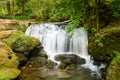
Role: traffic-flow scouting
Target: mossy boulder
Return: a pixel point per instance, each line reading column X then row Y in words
column 8, row 73
column 7, row 57
column 18, row 41
column 113, row 70
column 110, row 40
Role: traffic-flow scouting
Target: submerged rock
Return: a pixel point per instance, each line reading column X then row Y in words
column 62, row 74
column 7, row 57
column 42, row 73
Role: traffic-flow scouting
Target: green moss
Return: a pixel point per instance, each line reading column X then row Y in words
column 50, row 64
column 19, row 42
column 7, row 56
column 4, row 77
column 113, row 71
column 8, row 73
column 62, row 66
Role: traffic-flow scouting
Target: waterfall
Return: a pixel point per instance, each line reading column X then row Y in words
column 56, row 41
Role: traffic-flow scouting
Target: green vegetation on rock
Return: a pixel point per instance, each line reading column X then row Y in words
column 7, row 57
column 18, row 41
column 113, row 70
column 110, row 39
column 8, row 73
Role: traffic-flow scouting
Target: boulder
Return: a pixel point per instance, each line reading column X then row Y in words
column 69, row 59
column 7, row 57
column 18, row 41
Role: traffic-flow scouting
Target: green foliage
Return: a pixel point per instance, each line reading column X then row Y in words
column 21, row 28
column 22, row 17
column 113, row 72
column 2, row 7
column 116, row 8
column 73, row 25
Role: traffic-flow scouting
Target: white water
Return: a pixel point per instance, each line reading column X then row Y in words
column 56, row 41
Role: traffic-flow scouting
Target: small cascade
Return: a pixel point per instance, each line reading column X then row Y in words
column 56, row 41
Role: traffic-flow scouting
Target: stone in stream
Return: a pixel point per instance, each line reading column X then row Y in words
column 69, row 59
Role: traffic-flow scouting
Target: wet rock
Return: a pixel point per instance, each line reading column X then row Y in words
column 62, row 66
column 42, row 73
column 38, row 52
column 42, row 53
column 33, row 73
column 69, row 59
column 98, row 63
column 71, row 67
column 22, row 59
column 7, row 57
column 37, row 61
column 51, row 64
column 62, row 75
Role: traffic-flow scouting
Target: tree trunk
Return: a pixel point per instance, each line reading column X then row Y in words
column 13, row 6
column 23, row 6
column 97, row 14
column 8, row 6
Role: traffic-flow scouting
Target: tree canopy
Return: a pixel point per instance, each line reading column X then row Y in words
column 88, row 13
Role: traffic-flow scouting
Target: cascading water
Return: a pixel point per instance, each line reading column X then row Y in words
column 56, row 41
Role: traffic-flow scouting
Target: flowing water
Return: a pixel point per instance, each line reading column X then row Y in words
column 56, row 41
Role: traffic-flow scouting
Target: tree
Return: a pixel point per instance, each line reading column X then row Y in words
column 8, row 6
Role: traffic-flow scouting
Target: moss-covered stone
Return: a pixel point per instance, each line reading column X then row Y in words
column 113, row 70
column 8, row 73
column 62, row 65
column 109, row 52
column 50, row 64
column 37, row 61
column 18, row 41
column 7, row 57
